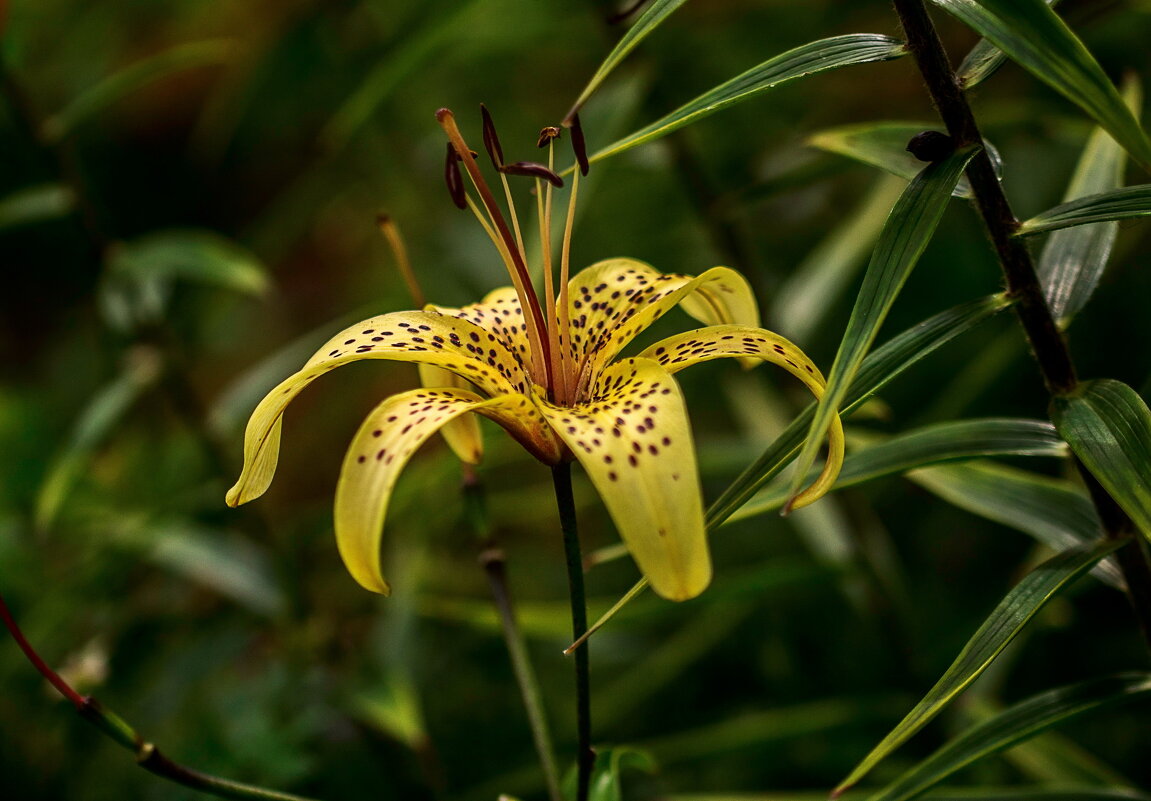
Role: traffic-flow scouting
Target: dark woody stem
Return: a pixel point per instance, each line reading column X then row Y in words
column 148, row 756
column 1051, row 352
column 585, row 757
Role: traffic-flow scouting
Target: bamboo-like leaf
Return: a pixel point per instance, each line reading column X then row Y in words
column 1073, row 261
column 1055, row 512
column 882, row 145
column 1015, row 724
column 192, row 254
column 808, row 59
column 1067, row 793
column 933, row 444
column 904, row 238
column 1120, row 204
column 133, row 77
column 1034, row 36
column 1108, row 426
column 1020, row 605
column 982, row 61
column 648, row 21
column 877, row 370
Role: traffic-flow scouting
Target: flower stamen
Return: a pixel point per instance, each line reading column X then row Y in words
column 395, row 240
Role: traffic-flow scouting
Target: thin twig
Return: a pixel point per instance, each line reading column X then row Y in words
column 148, row 756
column 1050, row 349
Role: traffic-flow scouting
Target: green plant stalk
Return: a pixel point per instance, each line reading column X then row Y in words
column 562, row 480
column 494, row 563
column 1047, row 343
column 148, row 756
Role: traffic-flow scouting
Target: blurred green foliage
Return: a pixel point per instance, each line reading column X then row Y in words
column 188, row 194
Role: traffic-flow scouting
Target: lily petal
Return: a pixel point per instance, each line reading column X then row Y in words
column 614, row 300
column 385, row 441
column 463, row 433
column 421, row 337
column 723, row 341
column 500, row 314
column 633, row 439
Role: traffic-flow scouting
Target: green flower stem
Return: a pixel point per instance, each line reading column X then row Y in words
column 1046, row 342
column 562, row 479
column 148, row 756
column 495, row 567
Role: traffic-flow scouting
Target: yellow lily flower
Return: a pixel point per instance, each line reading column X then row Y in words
column 553, row 381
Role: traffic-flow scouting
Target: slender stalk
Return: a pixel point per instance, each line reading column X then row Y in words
column 1050, row 349
column 148, row 756
column 494, row 563
column 562, row 479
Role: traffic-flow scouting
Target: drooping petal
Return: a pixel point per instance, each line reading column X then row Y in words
column 501, row 314
column 421, row 337
column 726, row 341
column 385, row 441
column 463, row 433
column 633, row 439
column 613, row 301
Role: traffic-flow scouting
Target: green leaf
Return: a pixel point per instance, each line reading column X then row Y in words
column 129, row 79
column 905, row 236
column 1067, row 793
column 879, row 368
column 808, row 59
column 656, row 13
column 1120, row 204
column 1108, row 426
column 1055, row 512
column 884, row 145
column 35, row 203
column 941, row 442
column 1015, row 724
column 1072, row 261
column 105, row 410
column 982, row 61
column 809, row 293
column 191, row 254
column 997, row 631
column 610, row 763
column 1034, row 36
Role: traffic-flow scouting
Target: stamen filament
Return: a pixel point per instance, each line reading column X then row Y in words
column 514, row 216
column 567, row 369
column 549, row 280
column 533, row 315
column 391, row 233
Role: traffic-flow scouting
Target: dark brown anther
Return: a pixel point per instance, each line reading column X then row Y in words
column 578, row 145
column 454, row 179
column 533, row 170
column 547, row 134
column 491, row 139
column 931, row 146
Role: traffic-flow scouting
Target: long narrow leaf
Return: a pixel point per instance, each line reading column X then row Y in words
column 1073, row 260
column 982, row 61
column 808, row 59
column 1120, row 204
column 1053, row 511
column 656, row 13
column 1034, row 36
column 879, row 368
column 905, row 236
column 1020, row 605
column 131, row 78
column 1014, row 725
column 1108, row 426
column 934, row 444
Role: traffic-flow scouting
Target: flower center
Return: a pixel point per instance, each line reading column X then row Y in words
column 552, row 362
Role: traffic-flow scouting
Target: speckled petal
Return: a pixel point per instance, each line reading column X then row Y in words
column 462, row 434
column 726, row 341
column 633, row 439
column 382, row 446
column 421, row 337
column 499, row 313
column 613, row 301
